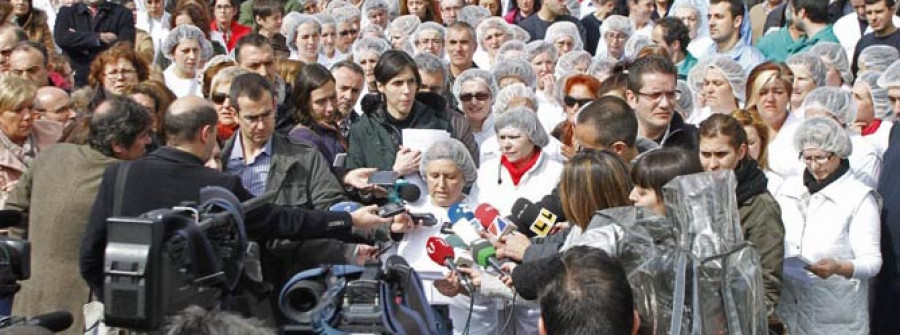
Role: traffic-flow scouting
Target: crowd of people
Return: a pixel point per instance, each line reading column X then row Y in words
column 118, row 107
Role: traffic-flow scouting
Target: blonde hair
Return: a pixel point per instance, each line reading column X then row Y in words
column 288, row 69
column 15, row 91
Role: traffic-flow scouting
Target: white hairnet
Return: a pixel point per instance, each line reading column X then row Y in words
column 520, row 34
column 617, row 23
column 492, row 23
column 478, row 75
column 373, row 5
column 508, row 93
column 824, row 134
column 404, row 25
column 536, row 48
column 880, row 101
column 564, row 29
column 526, row 121
column 336, row 4
column 511, row 49
column 324, row 19
column 369, row 29
column 567, row 63
column 685, row 102
column 473, row 15
column 291, row 36
column 733, row 72
column 878, row 57
column 428, row 26
column 289, row 21
column 346, row 14
column 601, row 67
column 810, row 63
column 186, row 32
column 836, row 101
column 701, row 7
column 368, row 44
column 833, row 55
column 454, row 151
column 634, row 46
column 515, row 67
column 891, row 76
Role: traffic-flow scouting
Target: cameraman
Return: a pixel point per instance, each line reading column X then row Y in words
column 175, row 173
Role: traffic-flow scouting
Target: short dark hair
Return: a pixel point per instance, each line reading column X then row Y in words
column 655, row 168
column 611, row 119
column 588, row 293
column 391, row 63
column 675, row 30
column 31, row 45
column 266, row 8
column 466, row 26
column 350, row 65
column 648, row 65
column 249, row 85
column 182, row 126
column 736, row 7
column 121, row 123
column 311, row 77
column 817, row 10
column 723, row 125
column 254, row 40
column 888, row 3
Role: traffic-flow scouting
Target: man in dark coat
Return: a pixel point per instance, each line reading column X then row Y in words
column 84, row 30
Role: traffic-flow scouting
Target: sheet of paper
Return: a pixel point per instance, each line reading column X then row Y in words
column 795, row 268
column 422, row 139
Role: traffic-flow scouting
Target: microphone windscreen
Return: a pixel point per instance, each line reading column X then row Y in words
column 438, row 250
column 456, row 242
column 409, row 192
column 482, row 252
column 345, row 206
column 524, row 212
column 466, row 231
column 485, row 213
column 56, row 321
column 459, row 211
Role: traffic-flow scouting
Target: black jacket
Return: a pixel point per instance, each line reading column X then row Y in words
column 680, row 135
column 78, row 34
column 167, row 177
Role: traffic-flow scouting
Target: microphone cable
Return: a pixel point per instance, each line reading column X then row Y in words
column 510, row 314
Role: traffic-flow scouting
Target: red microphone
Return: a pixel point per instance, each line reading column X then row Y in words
column 442, row 253
column 485, row 213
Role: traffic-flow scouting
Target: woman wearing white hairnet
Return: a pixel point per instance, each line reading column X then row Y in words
column 723, row 85
column 614, row 34
column 693, row 14
column 877, row 58
column 303, row 39
column 873, row 111
column 565, row 37
column 512, row 49
column 512, row 71
column 491, row 33
column 188, row 49
column 809, row 73
column 836, row 103
column 838, row 66
column 328, row 53
column 575, row 62
column 832, row 237
column 376, row 12
column 475, row 89
column 542, row 56
column 429, row 37
column 399, row 31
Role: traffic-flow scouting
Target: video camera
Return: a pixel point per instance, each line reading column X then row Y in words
column 162, row 261
column 15, row 255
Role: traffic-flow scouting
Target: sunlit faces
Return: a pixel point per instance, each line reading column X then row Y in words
column 475, row 98
column 121, row 74
column 641, row 11
column 514, row 144
column 445, row 182
column 430, row 41
column 654, row 103
column 717, row 153
column 460, row 44
column 307, row 41
column 259, row 60
column 54, row 105
column 722, row 27
column 400, row 93
column 154, row 8
column 689, row 18
column 223, row 12
column 378, row 17
column 8, row 41
column 224, row 109
column 820, row 163
column 543, row 64
column 865, row 110
column 17, row 123
column 803, row 84
column 20, row 7
column 773, row 102
column 615, row 44
column 754, row 142
column 28, row 64
column 417, row 7
column 347, row 32
column 186, row 56
column 658, row 37
column 322, row 102
column 367, row 59
column 349, row 86
column 647, row 197
column 579, row 94
column 450, row 10
column 564, row 45
column 256, row 119
column 493, row 39
column 329, row 38
column 271, row 23
column 719, row 96
column 879, row 16
column 493, row 6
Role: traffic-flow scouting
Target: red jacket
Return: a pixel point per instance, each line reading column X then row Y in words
column 237, row 31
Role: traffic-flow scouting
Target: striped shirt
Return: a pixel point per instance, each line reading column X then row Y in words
column 253, row 172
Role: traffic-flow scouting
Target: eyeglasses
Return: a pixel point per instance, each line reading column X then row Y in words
column 218, row 98
column 120, row 72
column 616, row 36
column 820, row 159
column 480, row 96
column 572, row 102
column 348, row 32
column 671, row 95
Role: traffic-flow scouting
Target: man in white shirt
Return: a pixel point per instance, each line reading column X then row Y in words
column 725, row 20
column 155, row 21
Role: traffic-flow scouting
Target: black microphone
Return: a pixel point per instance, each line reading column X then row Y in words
column 408, row 192
column 531, row 219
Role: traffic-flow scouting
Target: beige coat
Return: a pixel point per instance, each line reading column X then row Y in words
column 46, row 133
column 57, row 193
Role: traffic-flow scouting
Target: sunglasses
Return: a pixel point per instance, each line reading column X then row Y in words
column 218, row 98
column 572, row 102
column 481, row 96
column 348, row 32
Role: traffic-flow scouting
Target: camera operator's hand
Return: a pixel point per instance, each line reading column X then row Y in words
column 509, row 267
column 365, row 253
column 513, row 246
column 474, row 275
column 402, row 223
column 449, row 285
column 407, row 161
column 359, row 178
column 367, row 217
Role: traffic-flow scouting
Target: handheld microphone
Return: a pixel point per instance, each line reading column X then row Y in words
column 532, row 220
column 345, row 206
column 459, row 211
column 485, row 255
column 491, row 220
column 442, row 253
column 403, row 190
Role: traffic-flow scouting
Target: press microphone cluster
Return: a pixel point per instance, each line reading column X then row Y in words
column 466, row 226
column 533, row 219
column 442, row 253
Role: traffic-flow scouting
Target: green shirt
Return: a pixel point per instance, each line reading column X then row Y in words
column 246, row 10
column 685, row 66
column 824, row 35
column 775, row 45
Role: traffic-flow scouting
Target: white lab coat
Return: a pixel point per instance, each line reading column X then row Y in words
column 495, row 185
column 784, row 161
column 865, row 162
column 841, row 222
column 881, row 138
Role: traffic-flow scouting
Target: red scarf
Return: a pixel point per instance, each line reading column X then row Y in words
column 225, row 132
column 517, row 170
column 872, row 128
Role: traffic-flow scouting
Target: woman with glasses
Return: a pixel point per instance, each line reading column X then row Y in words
column 565, row 37
column 614, row 34
column 832, row 237
column 188, row 49
column 304, row 35
column 225, row 24
column 576, row 92
column 218, row 94
column 491, row 33
column 22, row 135
column 117, row 68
